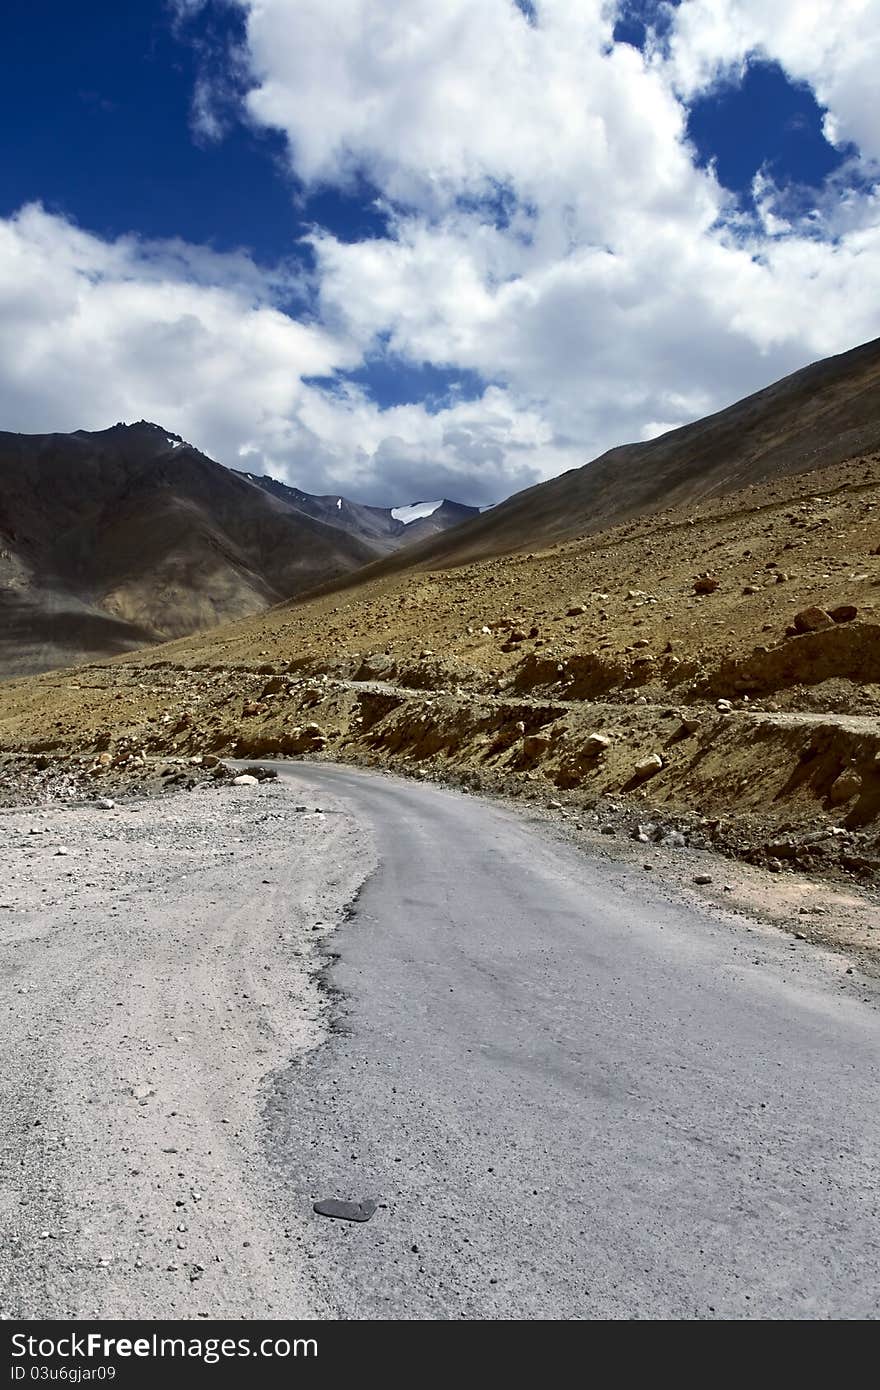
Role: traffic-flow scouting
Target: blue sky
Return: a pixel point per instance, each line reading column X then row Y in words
column 194, row 124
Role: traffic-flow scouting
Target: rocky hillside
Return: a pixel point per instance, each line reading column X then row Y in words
column 820, row 416
column 128, row 536
column 710, row 673
column 116, row 539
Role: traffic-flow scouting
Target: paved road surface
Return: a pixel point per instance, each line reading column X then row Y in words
column 574, row 1096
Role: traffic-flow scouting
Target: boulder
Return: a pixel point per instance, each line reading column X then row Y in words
column 812, row 619
column 647, row 767
column 596, row 744
column 843, row 613
column 706, row 584
column 245, row 780
column 846, row 786
column 534, row 745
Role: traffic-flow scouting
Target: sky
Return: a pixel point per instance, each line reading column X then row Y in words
column 411, row 251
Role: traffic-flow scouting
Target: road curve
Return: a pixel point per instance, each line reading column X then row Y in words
column 573, row 1096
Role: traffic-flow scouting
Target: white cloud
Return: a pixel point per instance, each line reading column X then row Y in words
column 549, row 229
column 623, row 290
column 833, row 45
column 94, row 331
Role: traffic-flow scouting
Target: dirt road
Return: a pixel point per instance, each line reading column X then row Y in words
column 153, row 978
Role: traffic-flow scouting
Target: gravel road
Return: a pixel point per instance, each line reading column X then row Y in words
column 152, row 979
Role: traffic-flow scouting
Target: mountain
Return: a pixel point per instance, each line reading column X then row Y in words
column 114, row 539
column 817, row 417
column 388, row 528
column 128, row 536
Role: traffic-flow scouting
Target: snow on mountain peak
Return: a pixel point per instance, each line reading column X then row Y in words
column 415, row 511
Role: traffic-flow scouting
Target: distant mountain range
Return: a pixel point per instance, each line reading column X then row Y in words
column 387, row 528
column 129, row 536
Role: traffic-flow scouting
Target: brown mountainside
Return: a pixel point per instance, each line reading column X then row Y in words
column 819, row 416
column 114, row 539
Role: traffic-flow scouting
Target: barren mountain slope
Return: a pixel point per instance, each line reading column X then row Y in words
column 822, row 415
column 112, row 540
column 588, row 670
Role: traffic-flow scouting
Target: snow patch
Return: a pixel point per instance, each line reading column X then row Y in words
column 415, row 511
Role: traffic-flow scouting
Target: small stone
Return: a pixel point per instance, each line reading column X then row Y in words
column 105, row 804
column 345, row 1211
column 706, row 584
column 245, row 780
column 702, row 878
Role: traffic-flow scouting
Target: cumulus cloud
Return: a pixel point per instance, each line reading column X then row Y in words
column 833, row 45
column 94, row 331
column 553, row 230
column 549, row 230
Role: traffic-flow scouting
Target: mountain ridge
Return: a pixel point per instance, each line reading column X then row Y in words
column 119, row 538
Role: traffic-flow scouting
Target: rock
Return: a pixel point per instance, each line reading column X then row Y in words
column 673, row 839
column 576, row 610
column 262, row 774
column 706, row 584
column 847, row 785
column 245, row 780
column 702, row 878
column 105, row 804
column 691, row 725
column 843, row 613
column 534, row 745
column 723, row 706
column 345, row 1211
column 62, row 850
column 607, row 830
column 812, row 619
column 273, row 687
column 377, row 666
column 596, row 744
column 647, row 767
